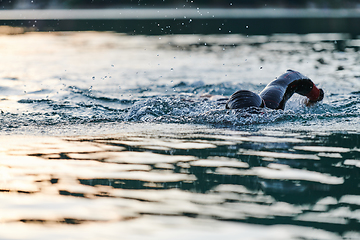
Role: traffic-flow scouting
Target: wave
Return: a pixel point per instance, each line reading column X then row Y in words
column 190, row 104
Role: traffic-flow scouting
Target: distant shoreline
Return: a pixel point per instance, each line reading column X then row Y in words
column 171, row 13
column 158, row 21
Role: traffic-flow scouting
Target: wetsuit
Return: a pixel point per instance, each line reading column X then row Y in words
column 277, row 92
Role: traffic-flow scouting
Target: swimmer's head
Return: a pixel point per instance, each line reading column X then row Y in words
column 244, row 99
column 320, row 97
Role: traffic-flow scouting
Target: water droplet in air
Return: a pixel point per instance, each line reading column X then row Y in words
column 112, row 65
column 171, row 69
column 93, row 78
column 260, row 67
column 219, row 29
column 247, row 26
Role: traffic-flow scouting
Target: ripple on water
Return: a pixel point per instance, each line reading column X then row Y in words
column 119, row 180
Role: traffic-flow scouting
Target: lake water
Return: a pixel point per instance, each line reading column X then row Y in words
column 111, row 136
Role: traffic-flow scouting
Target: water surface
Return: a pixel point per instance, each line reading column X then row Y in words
column 106, row 135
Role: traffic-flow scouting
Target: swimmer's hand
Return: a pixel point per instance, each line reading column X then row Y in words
column 310, row 103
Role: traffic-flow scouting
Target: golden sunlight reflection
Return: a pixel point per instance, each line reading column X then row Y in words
column 114, row 181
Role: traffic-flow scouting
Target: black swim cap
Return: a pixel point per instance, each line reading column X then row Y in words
column 244, row 99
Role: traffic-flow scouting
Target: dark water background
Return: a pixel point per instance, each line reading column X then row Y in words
column 108, row 136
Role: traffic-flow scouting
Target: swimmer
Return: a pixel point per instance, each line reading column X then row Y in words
column 277, row 92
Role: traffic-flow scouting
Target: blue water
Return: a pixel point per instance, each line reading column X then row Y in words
column 105, row 134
